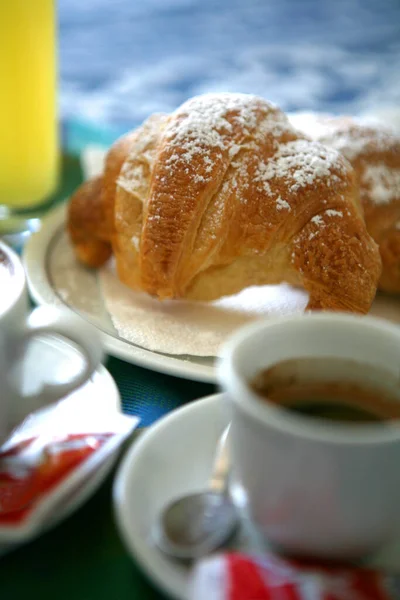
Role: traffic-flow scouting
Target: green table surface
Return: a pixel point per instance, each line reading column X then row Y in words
column 83, row 558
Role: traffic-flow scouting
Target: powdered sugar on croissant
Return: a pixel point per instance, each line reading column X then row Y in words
column 224, row 193
column 374, row 153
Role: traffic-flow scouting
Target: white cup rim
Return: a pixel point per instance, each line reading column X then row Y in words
column 266, row 413
column 17, row 279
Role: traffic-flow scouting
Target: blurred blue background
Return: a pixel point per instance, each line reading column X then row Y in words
column 121, row 60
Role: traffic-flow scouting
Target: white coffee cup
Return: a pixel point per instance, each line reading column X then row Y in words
column 315, row 488
column 18, row 327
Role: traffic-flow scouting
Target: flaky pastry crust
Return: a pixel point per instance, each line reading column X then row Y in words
column 224, row 193
column 374, row 153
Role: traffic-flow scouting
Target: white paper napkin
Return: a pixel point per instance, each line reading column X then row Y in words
column 92, row 160
column 194, row 328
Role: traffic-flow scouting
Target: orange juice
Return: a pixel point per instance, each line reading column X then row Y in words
column 28, row 120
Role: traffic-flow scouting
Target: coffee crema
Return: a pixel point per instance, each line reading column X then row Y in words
column 294, row 386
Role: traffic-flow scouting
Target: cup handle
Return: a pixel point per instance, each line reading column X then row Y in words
column 72, row 328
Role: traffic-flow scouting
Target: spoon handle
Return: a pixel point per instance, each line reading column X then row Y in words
column 219, row 477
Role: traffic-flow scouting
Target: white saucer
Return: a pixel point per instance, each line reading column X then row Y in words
column 174, row 457
column 100, row 392
column 55, row 277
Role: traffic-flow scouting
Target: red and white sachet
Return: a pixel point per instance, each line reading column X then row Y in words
column 235, row 576
column 57, row 453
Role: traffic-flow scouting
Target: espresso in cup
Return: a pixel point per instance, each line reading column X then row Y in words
column 315, row 443
column 290, row 386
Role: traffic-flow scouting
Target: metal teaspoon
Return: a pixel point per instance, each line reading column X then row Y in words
column 194, row 525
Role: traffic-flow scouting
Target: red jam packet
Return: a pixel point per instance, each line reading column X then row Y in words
column 24, row 481
column 235, row 576
column 52, row 455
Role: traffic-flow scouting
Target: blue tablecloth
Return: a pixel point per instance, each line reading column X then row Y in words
column 122, row 60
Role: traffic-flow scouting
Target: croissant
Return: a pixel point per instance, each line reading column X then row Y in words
column 375, row 156
column 91, row 210
column 222, row 194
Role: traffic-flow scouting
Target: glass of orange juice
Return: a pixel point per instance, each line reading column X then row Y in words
column 28, row 116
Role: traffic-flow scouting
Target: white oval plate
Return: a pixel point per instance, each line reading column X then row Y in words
column 55, row 277
column 175, row 457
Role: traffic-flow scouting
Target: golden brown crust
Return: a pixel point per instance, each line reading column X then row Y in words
column 337, row 261
column 132, row 193
column 223, row 194
column 115, row 158
column 86, row 224
column 91, row 209
column 374, row 153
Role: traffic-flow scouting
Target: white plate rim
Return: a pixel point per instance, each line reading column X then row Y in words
column 136, row 545
column 35, row 258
